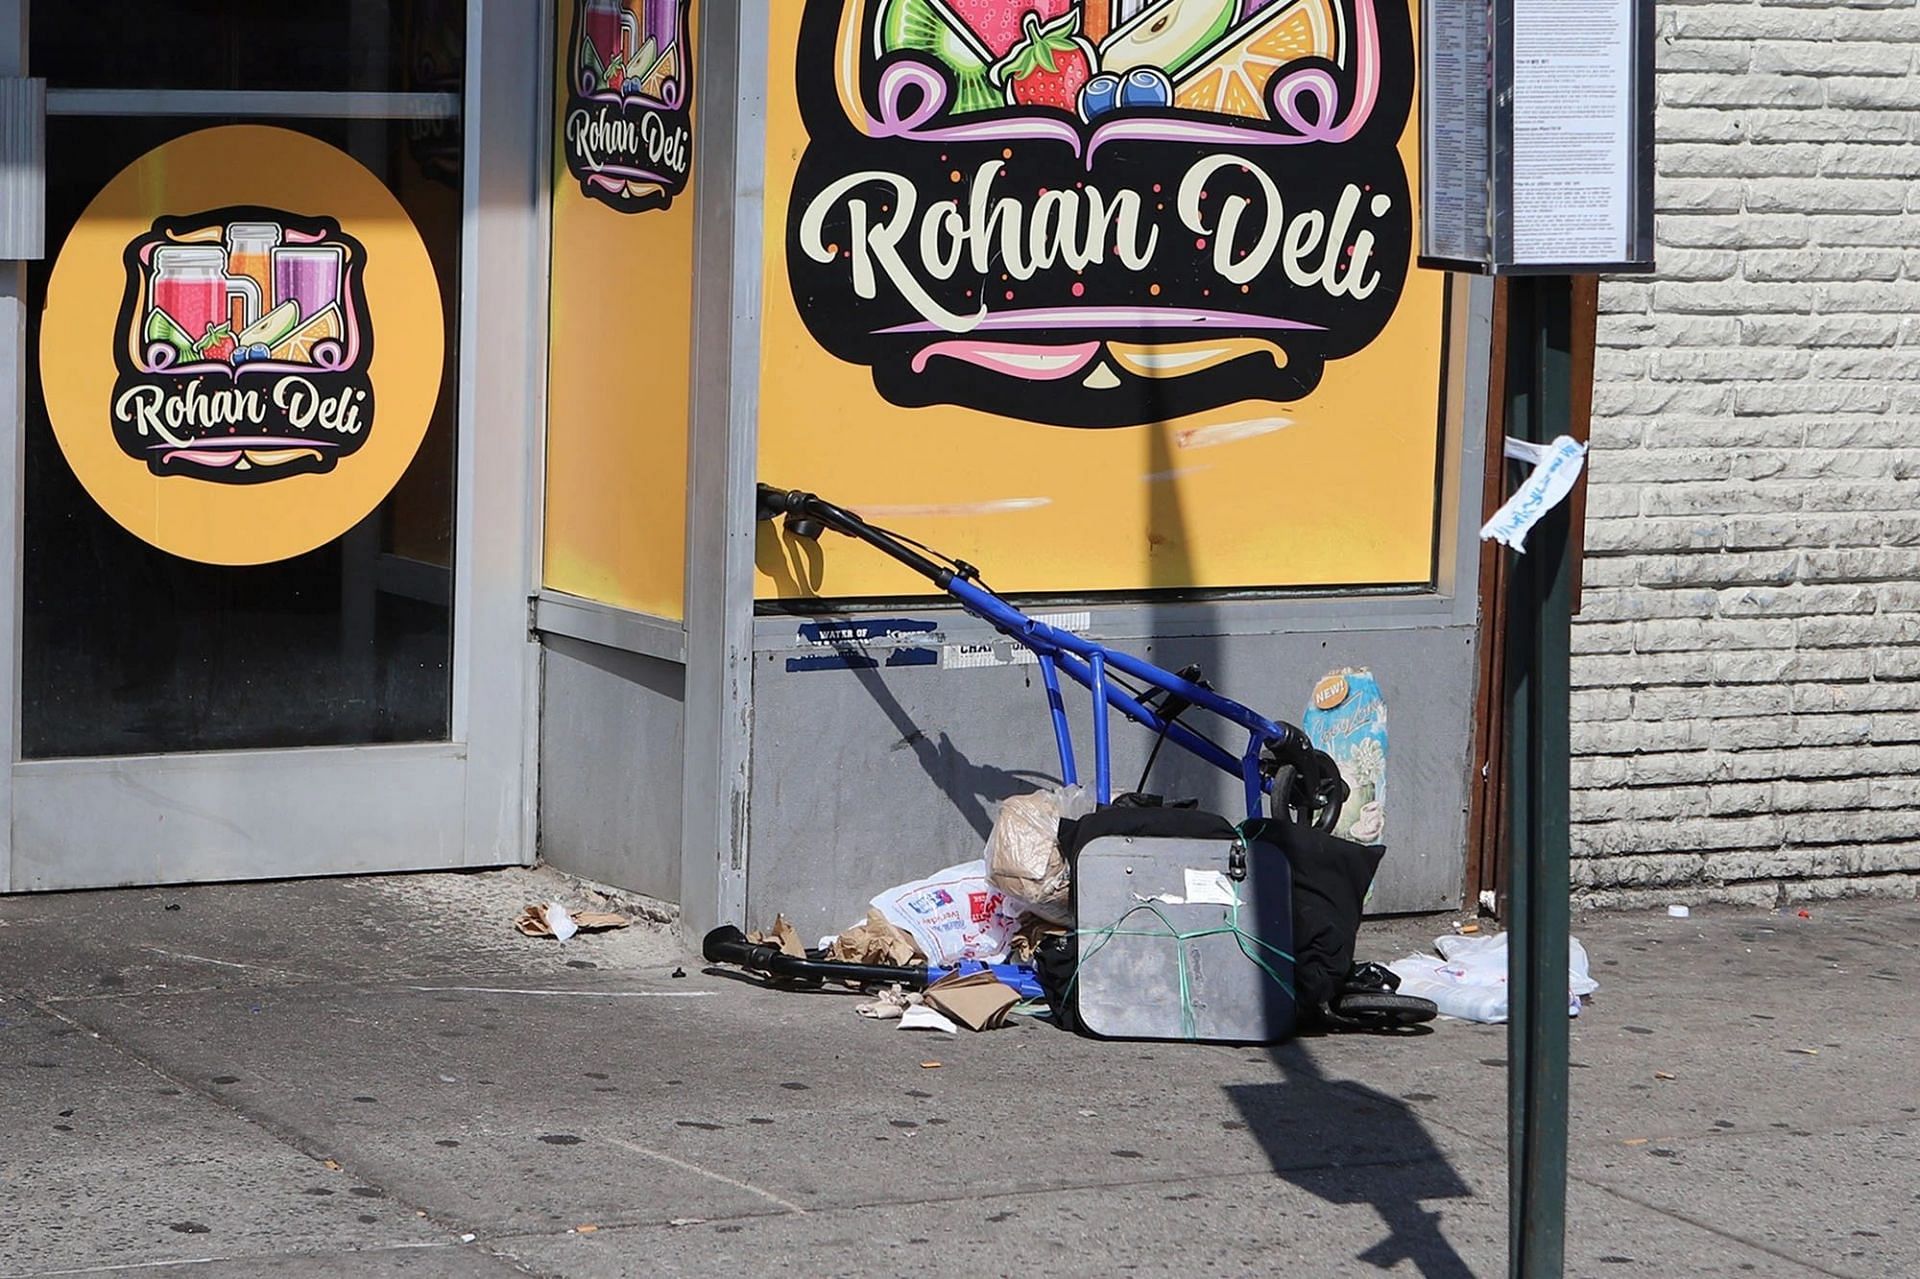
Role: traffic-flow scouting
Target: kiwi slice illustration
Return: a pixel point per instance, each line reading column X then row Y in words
column 928, row 27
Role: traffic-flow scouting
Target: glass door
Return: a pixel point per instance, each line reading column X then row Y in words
column 270, row 525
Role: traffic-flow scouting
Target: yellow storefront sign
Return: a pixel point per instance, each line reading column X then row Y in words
column 242, row 345
column 1101, row 303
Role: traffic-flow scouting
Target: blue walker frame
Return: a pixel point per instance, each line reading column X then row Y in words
column 1286, row 747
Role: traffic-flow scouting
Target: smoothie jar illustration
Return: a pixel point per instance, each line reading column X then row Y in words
column 191, row 285
column 307, row 274
column 249, row 246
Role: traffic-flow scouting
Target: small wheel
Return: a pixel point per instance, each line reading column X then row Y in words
column 1382, row 1010
column 1320, row 810
column 1279, row 799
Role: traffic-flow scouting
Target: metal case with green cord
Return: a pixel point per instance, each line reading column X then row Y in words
column 1183, row 939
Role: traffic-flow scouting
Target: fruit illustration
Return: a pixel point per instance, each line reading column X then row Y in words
column 272, row 326
column 664, row 72
column 1234, row 80
column 161, row 328
column 593, row 72
column 1000, row 25
column 1101, row 95
column 1049, row 67
column 1169, row 36
column 640, row 64
column 1146, row 87
column 929, row 28
column 298, row 345
column 217, row 344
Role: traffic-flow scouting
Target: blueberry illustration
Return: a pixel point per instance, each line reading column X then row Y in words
column 1099, row 96
column 1146, row 87
column 259, row 351
column 239, row 355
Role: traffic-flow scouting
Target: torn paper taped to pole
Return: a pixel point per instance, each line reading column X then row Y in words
column 1555, row 468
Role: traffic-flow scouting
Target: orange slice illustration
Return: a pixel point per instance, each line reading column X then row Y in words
column 1234, row 80
column 298, row 345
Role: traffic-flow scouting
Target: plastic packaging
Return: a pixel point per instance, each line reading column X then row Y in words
column 1023, row 851
column 1468, row 979
column 954, row 914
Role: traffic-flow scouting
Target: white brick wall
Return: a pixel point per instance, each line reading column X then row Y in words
column 1747, row 669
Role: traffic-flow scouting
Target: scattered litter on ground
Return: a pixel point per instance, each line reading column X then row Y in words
column 874, row 940
column 1661, row 1074
column 467, row 1238
column 953, row 914
column 585, row 1230
column 1805, row 1052
column 1678, row 911
column 1804, row 913
column 929, row 1065
column 921, row 1017
column 1468, row 979
column 331, row 1165
column 889, row 1005
column 978, row 1001
column 556, row 921
column 1469, row 929
column 678, row 972
column 1636, row 1141
column 1023, row 850
column 687, row 1221
column 782, row 934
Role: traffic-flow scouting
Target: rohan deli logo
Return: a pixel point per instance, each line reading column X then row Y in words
column 1100, row 213
column 628, row 134
column 243, row 347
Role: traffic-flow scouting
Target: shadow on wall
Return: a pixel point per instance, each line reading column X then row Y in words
column 1345, row 1143
column 1164, row 558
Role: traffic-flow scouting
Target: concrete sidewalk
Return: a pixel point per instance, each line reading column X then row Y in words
column 378, row 1077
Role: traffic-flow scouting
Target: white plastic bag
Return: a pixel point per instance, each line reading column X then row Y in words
column 1468, row 979
column 1023, row 851
column 954, row 914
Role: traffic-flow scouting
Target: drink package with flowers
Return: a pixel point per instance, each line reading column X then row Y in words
column 1347, row 718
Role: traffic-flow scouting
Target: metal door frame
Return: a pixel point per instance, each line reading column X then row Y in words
column 468, row 801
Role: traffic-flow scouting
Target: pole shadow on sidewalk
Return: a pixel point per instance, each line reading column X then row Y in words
column 1346, row 1143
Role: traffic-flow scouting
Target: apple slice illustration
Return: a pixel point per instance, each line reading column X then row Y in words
column 1168, row 36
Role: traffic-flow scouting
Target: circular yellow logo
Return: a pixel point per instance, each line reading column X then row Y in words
column 242, row 345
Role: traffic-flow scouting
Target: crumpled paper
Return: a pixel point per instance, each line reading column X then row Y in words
column 556, row 921
column 1025, row 944
column 888, row 1005
column 782, row 934
column 875, row 941
column 978, row 1001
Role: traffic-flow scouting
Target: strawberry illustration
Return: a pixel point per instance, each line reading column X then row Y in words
column 217, row 344
column 997, row 23
column 1049, row 65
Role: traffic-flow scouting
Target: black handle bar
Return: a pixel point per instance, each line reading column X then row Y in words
column 807, row 514
column 728, row 945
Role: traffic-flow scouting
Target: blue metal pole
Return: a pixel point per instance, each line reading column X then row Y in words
column 1102, row 759
column 1062, row 732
